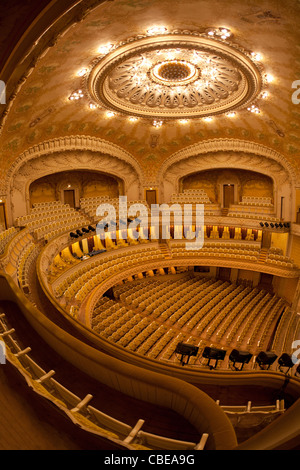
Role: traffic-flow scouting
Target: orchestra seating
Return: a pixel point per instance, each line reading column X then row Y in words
column 155, row 309
column 149, row 211
column 151, row 316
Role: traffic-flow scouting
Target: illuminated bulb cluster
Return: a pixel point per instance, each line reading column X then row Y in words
column 105, row 49
column 254, row 109
column 157, row 124
column 223, row 33
column 76, row 95
column 173, row 75
column 179, row 77
column 269, row 78
column 82, row 72
column 256, row 56
column 157, row 30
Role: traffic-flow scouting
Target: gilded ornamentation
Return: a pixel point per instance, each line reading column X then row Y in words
column 183, row 74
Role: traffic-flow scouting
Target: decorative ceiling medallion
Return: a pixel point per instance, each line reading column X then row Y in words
column 174, row 76
column 174, row 73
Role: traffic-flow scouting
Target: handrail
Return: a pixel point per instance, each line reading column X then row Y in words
column 150, row 386
column 257, row 377
column 67, row 398
column 83, row 356
column 189, row 374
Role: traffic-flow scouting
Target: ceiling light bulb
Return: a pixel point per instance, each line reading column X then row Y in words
column 256, row 56
column 269, row 78
column 207, row 119
column 253, row 109
column 92, row 106
column 225, row 31
column 82, row 72
column 157, row 30
column 105, row 49
column 76, row 95
column 110, row 114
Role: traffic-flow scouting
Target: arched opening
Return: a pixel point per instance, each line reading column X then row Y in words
column 229, row 186
column 71, row 186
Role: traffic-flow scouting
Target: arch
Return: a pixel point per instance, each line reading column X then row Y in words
column 71, row 143
column 226, row 153
column 84, row 183
column 214, row 180
column 229, row 145
column 65, row 154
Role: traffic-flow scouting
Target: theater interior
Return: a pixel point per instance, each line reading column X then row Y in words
column 130, row 130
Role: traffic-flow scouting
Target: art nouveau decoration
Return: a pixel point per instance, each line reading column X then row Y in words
column 180, row 74
column 76, row 160
column 199, row 158
column 181, row 79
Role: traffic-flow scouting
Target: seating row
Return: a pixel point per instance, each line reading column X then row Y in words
column 203, row 308
column 27, row 257
column 5, row 237
column 85, row 278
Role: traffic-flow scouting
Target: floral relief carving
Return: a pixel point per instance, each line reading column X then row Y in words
column 242, row 154
column 75, row 150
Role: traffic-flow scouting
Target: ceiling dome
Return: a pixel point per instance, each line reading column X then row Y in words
column 174, row 76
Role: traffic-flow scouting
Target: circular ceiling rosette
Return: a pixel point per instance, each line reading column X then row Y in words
column 174, row 76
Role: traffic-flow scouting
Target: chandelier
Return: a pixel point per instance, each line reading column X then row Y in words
column 181, row 78
column 176, row 75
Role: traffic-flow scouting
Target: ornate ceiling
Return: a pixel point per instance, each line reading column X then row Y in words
column 177, row 74
column 194, row 82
